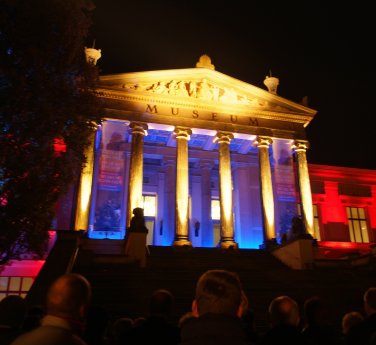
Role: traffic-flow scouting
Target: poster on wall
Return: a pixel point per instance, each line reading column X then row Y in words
column 110, row 178
column 283, row 171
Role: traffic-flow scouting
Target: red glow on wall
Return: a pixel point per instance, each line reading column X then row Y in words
column 345, row 245
column 59, row 146
column 338, row 245
column 22, row 268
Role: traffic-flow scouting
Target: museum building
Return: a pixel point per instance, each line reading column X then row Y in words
column 214, row 162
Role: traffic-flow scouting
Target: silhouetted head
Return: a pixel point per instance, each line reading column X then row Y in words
column 69, row 296
column 351, row 319
column 161, row 303
column 12, row 311
column 138, row 321
column 369, row 299
column 218, row 291
column 138, row 212
column 120, row 329
column 314, row 310
column 283, row 310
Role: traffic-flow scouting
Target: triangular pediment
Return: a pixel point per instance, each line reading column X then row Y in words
column 204, row 86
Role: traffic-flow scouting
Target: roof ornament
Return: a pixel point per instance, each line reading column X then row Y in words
column 271, row 83
column 92, row 54
column 205, row 62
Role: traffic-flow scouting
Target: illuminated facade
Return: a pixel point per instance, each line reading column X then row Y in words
column 213, row 161
column 186, row 138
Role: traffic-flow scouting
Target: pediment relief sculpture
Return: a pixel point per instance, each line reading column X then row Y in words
column 202, row 90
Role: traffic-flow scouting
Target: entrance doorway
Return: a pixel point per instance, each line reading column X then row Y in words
column 216, row 221
column 149, row 204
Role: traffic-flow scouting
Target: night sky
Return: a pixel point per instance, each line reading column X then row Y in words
column 317, row 51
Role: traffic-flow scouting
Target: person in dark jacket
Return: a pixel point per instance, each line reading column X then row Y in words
column 317, row 330
column 68, row 299
column 157, row 328
column 12, row 316
column 217, row 310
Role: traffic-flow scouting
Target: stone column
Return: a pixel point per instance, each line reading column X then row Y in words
column 206, row 224
column 225, row 190
column 267, row 199
column 300, row 147
column 138, row 131
column 182, row 136
column 85, row 187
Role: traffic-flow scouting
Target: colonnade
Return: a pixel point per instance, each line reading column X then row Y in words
column 182, row 136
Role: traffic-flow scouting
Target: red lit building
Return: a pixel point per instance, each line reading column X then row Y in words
column 345, row 203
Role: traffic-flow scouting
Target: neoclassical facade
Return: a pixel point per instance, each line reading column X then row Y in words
column 214, row 161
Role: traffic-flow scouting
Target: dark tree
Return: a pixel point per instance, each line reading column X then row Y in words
column 48, row 110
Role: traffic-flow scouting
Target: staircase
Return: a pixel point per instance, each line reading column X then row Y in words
column 124, row 289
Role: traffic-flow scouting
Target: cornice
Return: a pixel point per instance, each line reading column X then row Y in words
column 342, row 173
column 180, row 102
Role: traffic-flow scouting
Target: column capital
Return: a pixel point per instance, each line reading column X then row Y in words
column 138, row 128
column 182, row 132
column 300, row 145
column 223, row 137
column 263, row 141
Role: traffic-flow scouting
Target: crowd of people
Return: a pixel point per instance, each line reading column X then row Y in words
column 220, row 314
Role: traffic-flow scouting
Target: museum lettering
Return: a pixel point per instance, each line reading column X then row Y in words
column 152, row 109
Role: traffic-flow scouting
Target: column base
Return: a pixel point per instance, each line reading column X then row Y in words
column 182, row 242
column 228, row 245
